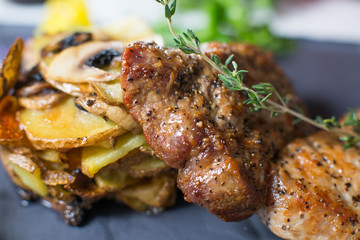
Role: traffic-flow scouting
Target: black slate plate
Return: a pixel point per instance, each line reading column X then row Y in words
column 326, row 76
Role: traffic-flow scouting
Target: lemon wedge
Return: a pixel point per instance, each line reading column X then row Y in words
column 64, row 16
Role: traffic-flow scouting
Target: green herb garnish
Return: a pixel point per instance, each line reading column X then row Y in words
column 259, row 94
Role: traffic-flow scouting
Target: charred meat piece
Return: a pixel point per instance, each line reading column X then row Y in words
column 314, row 190
column 195, row 124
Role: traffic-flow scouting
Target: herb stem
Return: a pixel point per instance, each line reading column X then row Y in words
column 284, row 109
column 258, row 95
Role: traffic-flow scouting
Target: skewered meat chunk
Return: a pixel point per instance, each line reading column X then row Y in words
column 195, row 124
column 314, row 190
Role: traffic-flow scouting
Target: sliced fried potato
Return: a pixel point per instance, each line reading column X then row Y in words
column 54, row 178
column 50, row 155
column 10, row 67
column 118, row 114
column 95, row 158
column 156, row 192
column 70, row 66
column 113, row 180
column 65, row 126
column 110, row 92
column 10, row 132
column 26, row 170
column 31, row 180
column 150, row 167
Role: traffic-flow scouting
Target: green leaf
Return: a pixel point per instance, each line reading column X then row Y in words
column 229, row 59
column 230, row 82
column 266, row 97
column 226, row 70
column 263, row 88
column 216, row 60
column 296, row 121
column 197, row 42
column 176, row 41
column 172, row 6
column 160, row 1
column 187, row 50
column 167, row 12
column 352, row 118
column 329, row 122
column 187, row 36
column 234, row 65
column 349, row 141
column 191, row 33
column 182, row 41
column 298, row 109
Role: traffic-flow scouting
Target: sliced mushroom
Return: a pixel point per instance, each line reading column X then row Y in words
column 27, row 84
column 46, row 99
column 63, row 41
column 70, row 65
column 117, row 114
column 73, row 89
column 65, row 126
column 32, row 89
column 9, row 69
column 35, row 93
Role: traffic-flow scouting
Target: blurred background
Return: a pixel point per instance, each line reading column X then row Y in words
column 256, row 21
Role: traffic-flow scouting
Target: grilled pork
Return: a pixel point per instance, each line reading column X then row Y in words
column 197, row 125
column 314, row 190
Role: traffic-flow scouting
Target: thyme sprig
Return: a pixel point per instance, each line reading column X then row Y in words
column 259, row 94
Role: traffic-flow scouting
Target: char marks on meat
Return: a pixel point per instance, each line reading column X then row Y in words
column 195, row 124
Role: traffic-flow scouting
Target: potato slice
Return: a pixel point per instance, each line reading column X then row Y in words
column 110, row 92
column 70, row 66
column 54, row 178
column 51, row 155
column 26, row 170
column 113, row 180
column 156, row 192
column 10, row 67
column 150, row 167
column 95, row 158
column 10, row 132
column 65, row 126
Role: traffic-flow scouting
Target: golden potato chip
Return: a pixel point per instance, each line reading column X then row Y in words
column 10, row 67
